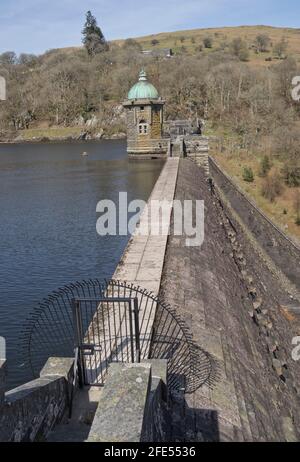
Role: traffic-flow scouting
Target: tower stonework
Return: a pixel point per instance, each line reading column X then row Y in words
column 145, row 121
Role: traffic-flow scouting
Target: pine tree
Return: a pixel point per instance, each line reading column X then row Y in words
column 248, row 174
column 265, row 166
column 93, row 38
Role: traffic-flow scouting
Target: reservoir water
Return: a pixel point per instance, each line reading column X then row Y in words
column 48, row 238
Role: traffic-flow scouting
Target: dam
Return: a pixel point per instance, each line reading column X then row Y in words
column 239, row 304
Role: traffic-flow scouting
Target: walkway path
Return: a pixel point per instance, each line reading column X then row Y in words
column 143, row 259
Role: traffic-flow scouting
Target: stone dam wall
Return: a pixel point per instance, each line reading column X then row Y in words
column 232, row 303
column 282, row 250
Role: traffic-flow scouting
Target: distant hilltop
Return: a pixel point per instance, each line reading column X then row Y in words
column 189, row 41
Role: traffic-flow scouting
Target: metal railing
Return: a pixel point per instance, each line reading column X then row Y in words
column 109, row 322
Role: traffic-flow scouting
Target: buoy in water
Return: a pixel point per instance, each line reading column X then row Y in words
column 84, row 154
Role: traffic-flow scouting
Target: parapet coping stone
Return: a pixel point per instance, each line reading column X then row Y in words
column 28, row 388
column 57, row 367
column 122, row 404
column 54, row 369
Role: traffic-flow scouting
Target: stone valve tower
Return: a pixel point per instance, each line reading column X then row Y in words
column 144, row 109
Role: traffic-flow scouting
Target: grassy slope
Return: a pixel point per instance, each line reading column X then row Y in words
column 224, row 34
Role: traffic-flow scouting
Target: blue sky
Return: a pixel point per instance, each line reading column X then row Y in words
column 34, row 26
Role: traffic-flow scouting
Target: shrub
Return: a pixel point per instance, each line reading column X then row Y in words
column 296, row 205
column 272, row 186
column 248, row 174
column 207, row 42
column 265, row 166
column 280, row 48
column 262, row 42
column 239, row 48
column 291, row 174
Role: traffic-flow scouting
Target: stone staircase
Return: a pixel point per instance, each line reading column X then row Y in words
column 78, row 427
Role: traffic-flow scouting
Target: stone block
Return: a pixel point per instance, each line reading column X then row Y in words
column 120, row 412
column 62, row 367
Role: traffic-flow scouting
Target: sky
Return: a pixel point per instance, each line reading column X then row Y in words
column 34, row 26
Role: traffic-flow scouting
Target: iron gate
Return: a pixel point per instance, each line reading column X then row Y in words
column 106, row 330
column 162, row 334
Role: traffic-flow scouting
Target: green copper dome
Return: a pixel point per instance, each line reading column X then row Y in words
column 143, row 89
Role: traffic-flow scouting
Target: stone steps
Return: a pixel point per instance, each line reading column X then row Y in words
column 78, row 427
column 68, row 433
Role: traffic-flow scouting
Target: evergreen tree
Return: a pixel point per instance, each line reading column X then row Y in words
column 93, row 38
column 248, row 174
column 265, row 166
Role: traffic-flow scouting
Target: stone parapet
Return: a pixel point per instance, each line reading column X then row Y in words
column 132, row 406
column 31, row 410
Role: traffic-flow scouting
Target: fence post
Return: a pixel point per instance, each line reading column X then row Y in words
column 77, row 340
column 137, row 330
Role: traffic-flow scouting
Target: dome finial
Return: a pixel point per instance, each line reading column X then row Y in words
column 143, row 75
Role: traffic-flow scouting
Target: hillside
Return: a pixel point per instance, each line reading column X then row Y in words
column 189, row 41
column 221, row 38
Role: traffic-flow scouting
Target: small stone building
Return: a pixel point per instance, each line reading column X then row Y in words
column 184, row 127
column 145, row 116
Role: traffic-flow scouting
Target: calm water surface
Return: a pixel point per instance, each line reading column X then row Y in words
column 48, row 198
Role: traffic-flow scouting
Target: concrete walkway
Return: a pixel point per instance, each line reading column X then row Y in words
column 143, row 259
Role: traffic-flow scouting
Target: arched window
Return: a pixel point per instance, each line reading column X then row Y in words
column 143, row 127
